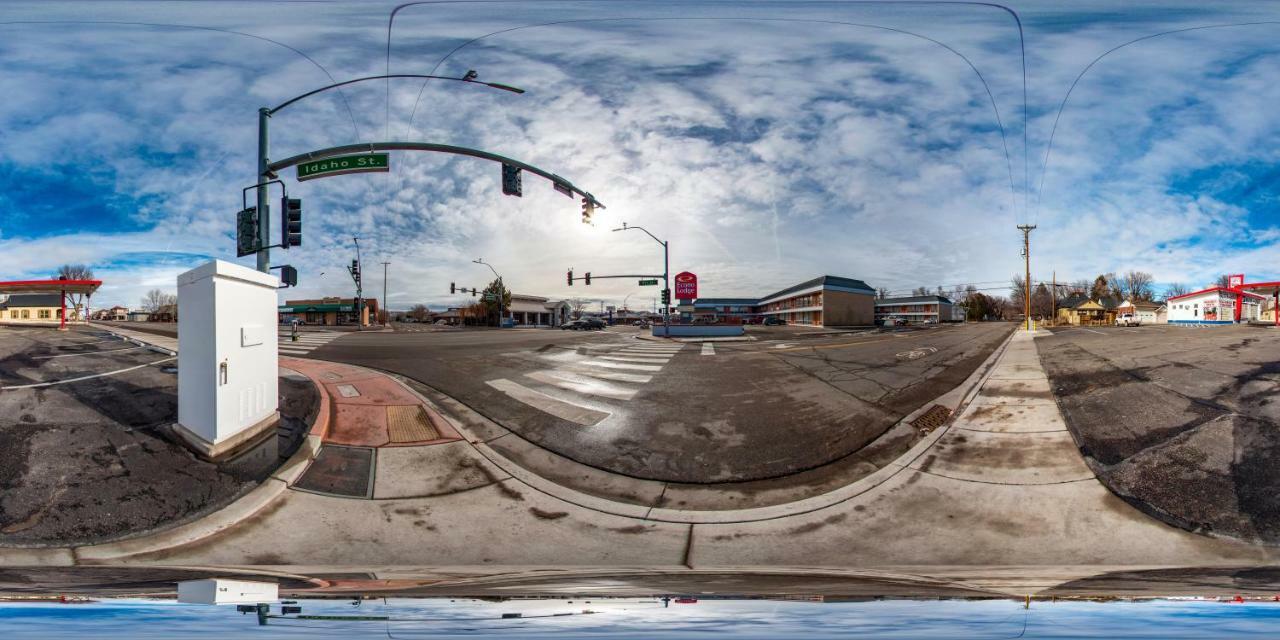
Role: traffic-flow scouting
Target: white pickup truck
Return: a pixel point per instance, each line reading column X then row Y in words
column 1127, row 320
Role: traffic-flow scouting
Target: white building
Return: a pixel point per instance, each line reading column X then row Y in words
column 537, row 311
column 1216, row 305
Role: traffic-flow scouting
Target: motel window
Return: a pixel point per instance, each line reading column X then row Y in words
column 26, row 314
column 44, row 314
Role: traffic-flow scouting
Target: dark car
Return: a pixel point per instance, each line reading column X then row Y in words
column 774, row 320
column 574, row 325
column 594, row 323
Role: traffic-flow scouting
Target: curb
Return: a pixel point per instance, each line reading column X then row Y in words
column 960, row 396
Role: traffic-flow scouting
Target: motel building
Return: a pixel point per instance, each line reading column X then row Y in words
column 915, row 309
column 825, row 301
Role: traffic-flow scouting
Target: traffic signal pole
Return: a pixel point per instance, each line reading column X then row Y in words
column 264, row 176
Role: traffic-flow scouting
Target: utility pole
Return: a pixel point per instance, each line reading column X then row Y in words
column 1026, row 255
column 384, row 309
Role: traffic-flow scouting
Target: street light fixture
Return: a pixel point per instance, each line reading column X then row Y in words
column 666, row 284
column 501, row 288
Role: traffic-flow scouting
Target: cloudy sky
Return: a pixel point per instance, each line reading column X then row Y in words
column 769, row 142
column 1166, row 620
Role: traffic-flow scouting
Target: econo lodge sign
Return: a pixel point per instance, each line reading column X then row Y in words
column 686, row 286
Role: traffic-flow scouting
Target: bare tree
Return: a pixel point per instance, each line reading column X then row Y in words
column 920, row 291
column 75, row 272
column 1079, row 287
column 1223, row 280
column 882, row 293
column 1136, row 285
column 577, row 305
column 153, row 301
column 1175, row 289
column 419, row 312
column 1018, row 292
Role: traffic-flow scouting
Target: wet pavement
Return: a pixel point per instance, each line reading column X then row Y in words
column 1179, row 421
column 86, row 453
column 787, row 402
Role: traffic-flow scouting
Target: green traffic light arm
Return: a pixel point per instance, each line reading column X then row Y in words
column 468, row 79
column 562, row 185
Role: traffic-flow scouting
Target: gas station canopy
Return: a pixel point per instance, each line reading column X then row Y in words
column 87, row 287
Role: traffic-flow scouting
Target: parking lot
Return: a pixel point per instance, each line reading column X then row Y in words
column 85, row 453
column 1180, row 421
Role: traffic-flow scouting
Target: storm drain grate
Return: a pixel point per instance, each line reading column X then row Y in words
column 935, row 417
column 340, row 471
column 410, row 424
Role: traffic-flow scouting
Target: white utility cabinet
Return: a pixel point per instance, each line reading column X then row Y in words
column 228, row 390
column 222, row 591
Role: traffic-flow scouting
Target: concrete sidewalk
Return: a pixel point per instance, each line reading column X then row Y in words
column 164, row 342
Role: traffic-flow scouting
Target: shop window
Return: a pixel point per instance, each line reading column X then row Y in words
column 44, row 314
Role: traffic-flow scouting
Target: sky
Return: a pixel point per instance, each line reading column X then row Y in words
column 768, row 142
column 745, row 619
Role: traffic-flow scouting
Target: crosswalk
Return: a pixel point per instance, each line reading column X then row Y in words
column 581, row 390
column 307, row 342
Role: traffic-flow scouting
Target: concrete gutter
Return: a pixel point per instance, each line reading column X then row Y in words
column 956, row 400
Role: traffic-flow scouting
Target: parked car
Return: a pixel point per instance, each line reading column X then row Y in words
column 1127, row 320
column 574, row 325
column 594, row 323
column 774, row 320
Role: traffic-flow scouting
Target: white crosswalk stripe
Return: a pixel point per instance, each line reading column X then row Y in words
column 307, row 342
column 708, row 349
column 580, row 390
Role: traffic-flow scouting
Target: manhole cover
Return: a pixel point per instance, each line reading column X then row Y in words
column 340, row 471
column 935, row 417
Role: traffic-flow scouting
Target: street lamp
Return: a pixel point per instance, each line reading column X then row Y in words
column 501, row 288
column 666, row 285
column 266, row 175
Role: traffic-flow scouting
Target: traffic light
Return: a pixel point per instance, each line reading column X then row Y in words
column 569, row 278
column 588, row 208
column 355, row 270
column 289, row 276
column 452, row 288
column 473, row 292
column 666, row 297
column 587, row 278
column 247, row 232
column 511, row 181
column 291, row 223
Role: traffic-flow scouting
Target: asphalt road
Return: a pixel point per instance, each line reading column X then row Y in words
column 1179, row 421
column 790, row 401
column 85, row 449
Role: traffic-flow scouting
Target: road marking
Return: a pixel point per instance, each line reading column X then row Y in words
column 348, row 391
column 1101, row 333
column 96, row 375
column 582, row 384
column 607, row 375
column 917, row 353
column 306, row 343
column 636, row 359
column 91, row 353
column 624, row 365
column 559, row 408
column 708, row 349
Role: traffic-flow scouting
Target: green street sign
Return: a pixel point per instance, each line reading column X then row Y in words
column 339, row 165
column 489, row 297
column 648, row 283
